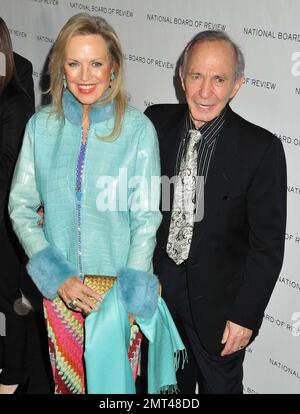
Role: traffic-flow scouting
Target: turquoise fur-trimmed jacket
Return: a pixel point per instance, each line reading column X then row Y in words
column 79, row 236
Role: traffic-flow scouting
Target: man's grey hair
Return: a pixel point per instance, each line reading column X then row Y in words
column 210, row 36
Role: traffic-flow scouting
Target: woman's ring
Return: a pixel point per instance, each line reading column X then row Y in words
column 72, row 305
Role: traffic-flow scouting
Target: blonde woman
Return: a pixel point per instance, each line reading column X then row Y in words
column 79, row 161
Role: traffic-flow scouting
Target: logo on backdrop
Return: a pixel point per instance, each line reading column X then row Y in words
column 48, row 2
column 17, row 33
column 293, row 190
column 36, row 74
column 151, row 61
column 288, row 140
column 292, row 238
column 148, row 103
column 186, row 22
column 45, row 39
column 291, row 327
column 285, row 368
column 101, row 9
column 249, row 390
column 271, row 34
column 260, row 83
column 289, row 282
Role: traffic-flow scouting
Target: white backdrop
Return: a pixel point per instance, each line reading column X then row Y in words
column 153, row 34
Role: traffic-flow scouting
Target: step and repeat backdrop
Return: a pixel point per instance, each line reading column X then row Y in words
column 153, row 34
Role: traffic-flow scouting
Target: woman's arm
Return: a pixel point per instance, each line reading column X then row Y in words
column 47, row 266
column 25, row 199
column 145, row 216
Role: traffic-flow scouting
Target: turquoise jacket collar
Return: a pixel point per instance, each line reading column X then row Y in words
column 73, row 110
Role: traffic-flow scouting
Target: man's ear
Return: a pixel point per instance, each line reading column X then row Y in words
column 237, row 84
column 181, row 78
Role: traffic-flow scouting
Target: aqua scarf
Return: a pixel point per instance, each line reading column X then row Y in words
column 106, row 346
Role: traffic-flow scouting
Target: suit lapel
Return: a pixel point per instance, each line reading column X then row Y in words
column 169, row 145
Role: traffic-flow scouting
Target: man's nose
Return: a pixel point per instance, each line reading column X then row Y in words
column 205, row 88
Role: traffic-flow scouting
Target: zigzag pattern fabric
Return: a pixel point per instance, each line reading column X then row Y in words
column 65, row 340
column 66, row 347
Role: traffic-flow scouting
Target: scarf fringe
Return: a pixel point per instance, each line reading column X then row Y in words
column 180, row 355
column 169, row 389
column 180, row 359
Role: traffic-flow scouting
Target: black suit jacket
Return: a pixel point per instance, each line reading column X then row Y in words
column 24, row 75
column 15, row 109
column 237, row 249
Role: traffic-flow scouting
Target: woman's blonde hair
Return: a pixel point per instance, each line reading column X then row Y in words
column 85, row 24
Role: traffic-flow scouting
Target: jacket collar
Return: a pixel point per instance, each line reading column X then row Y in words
column 73, row 110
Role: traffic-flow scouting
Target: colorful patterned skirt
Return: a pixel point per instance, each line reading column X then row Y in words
column 66, row 347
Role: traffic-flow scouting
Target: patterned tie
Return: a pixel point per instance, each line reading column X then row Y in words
column 184, row 204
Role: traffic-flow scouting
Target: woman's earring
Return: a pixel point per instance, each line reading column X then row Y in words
column 112, row 78
column 65, row 82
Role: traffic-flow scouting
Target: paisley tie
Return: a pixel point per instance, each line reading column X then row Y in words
column 184, row 204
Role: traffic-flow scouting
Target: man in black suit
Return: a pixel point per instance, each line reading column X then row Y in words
column 217, row 267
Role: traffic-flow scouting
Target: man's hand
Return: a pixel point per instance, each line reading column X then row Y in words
column 235, row 337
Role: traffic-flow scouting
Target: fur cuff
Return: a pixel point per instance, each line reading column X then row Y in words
column 138, row 291
column 49, row 269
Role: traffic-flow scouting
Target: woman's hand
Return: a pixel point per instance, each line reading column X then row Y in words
column 131, row 319
column 78, row 296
